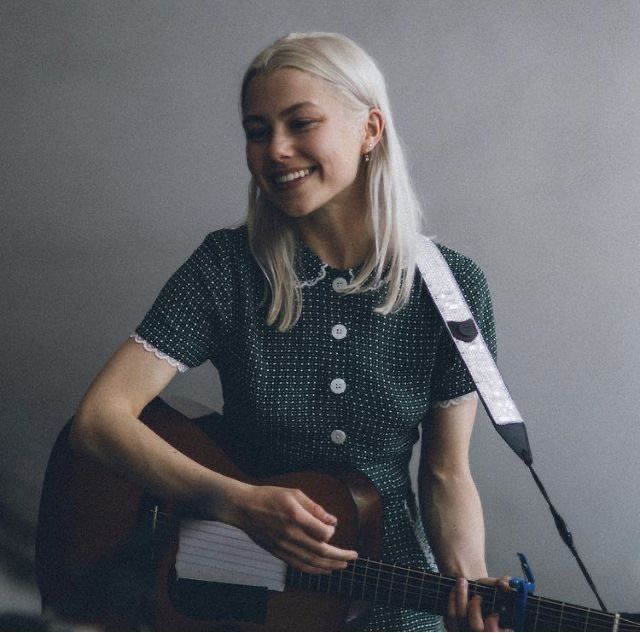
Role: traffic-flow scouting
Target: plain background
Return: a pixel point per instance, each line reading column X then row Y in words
column 121, row 148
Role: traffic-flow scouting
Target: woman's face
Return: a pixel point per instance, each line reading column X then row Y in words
column 304, row 146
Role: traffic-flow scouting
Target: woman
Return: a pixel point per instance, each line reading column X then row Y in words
column 328, row 347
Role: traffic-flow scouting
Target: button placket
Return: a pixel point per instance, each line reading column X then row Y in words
column 338, row 385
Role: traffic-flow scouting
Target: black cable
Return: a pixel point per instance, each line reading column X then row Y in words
column 566, row 536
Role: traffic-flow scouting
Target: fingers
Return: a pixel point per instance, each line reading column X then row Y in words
column 313, row 560
column 465, row 614
column 316, row 510
column 503, row 583
column 461, row 598
column 312, row 517
column 318, row 527
column 322, row 549
column 296, row 529
column 457, row 606
column 492, row 623
column 305, row 543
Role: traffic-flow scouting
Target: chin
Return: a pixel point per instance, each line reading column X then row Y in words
column 295, row 211
column 296, row 214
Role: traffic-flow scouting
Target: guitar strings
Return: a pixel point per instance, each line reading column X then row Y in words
column 383, row 582
column 432, row 585
column 571, row 613
column 564, row 609
column 540, row 615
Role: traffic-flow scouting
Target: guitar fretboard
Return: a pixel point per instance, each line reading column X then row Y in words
column 215, row 552
column 400, row 586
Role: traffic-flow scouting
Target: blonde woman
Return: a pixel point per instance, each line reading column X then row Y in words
column 328, row 347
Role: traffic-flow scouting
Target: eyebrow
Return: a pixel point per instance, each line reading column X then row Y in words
column 285, row 112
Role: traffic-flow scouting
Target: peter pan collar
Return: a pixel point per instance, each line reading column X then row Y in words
column 311, row 270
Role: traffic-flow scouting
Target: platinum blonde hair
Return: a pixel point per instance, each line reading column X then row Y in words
column 394, row 211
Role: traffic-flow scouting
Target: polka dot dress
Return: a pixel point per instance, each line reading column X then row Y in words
column 344, row 385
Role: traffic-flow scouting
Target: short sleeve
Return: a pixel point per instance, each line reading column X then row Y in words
column 450, row 378
column 192, row 313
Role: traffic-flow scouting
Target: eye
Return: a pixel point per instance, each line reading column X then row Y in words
column 256, row 133
column 301, row 124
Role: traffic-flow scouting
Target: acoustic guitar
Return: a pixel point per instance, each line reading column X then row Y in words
column 106, row 554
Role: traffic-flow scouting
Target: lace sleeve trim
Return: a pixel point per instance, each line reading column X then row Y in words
column 181, row 367
column 445, row 404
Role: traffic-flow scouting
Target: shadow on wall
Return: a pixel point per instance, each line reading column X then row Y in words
column 19, row 596
column 17, row 551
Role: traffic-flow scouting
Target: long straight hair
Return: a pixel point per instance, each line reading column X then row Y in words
column 395, row 214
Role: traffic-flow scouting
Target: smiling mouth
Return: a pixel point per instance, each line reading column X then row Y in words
column 293, row 176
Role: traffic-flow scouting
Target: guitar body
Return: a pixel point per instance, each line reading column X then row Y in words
column 105, row 550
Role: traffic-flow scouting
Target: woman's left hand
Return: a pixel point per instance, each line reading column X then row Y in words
column 465, row 614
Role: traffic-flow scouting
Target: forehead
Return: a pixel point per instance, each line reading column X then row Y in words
column 274, row 93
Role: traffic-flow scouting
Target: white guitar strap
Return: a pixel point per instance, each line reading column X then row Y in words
column 463, row 329
column 475, row 354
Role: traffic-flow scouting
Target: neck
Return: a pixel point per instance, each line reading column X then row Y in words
column 384, row 583
column 339, row 243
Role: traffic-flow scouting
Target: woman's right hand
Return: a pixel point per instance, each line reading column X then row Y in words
column 291, row 526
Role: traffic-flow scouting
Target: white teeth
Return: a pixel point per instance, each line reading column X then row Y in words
column 292, row 176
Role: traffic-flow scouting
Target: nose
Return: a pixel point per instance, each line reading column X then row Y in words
column 280, row 146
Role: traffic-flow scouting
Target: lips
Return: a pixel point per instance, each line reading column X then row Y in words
column 291, row 176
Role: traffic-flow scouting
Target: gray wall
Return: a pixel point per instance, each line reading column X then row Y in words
column 121, row 147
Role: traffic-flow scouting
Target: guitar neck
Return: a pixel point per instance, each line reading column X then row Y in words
column 398, row 586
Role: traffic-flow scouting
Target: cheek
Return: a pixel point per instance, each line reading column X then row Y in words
column 346, row 152
column 342, row 167
column 253, row 160
column 338, row 158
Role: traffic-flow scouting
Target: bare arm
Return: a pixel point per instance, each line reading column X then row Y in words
column 107, row 427
column 452, row 512
column 448, row 496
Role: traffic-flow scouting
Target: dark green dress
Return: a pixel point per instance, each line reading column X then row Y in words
column 344, row 385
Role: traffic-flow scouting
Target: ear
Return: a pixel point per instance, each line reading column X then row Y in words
column 374, row 127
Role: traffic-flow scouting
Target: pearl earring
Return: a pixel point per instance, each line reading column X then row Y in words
column 366, row 156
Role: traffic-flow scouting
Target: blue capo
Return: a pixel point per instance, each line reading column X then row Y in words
column 523, row 586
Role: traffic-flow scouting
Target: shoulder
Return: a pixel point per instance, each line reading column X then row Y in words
column 224, row 248
column 230, row 240
column 461, row 265
column 468, row 274
column 466, row 271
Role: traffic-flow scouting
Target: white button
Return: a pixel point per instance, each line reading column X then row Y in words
column 339, row 283
column 339, row 331
column 338, row 436
column 338, row 385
